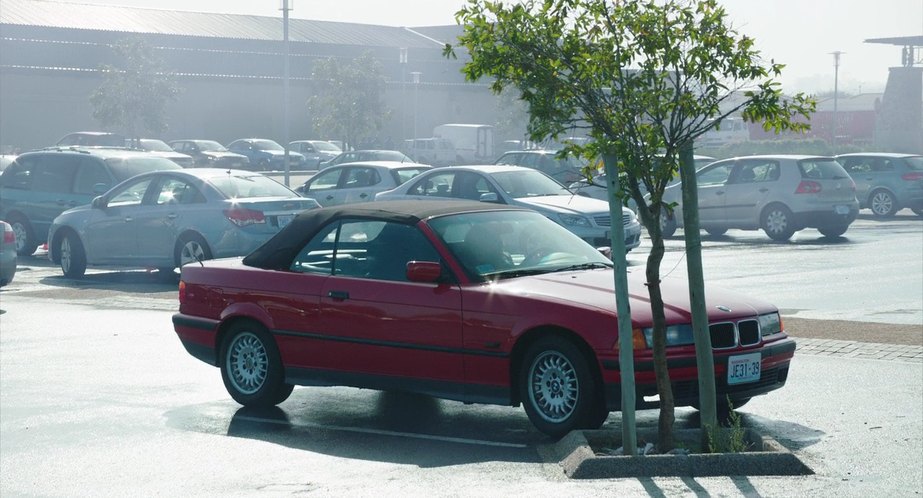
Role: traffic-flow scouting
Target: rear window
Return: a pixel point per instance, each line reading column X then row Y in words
column 914, row 162
column 124, row 168
column 239, row 186
column 822, row 169
column 404, row 174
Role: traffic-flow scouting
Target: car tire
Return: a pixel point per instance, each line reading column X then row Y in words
column 716, row 231
column 190, row 248
column 263, row 165
column 833, row 231
column 883, row 204
column 558, row 389
column 25, row 236
column 73, row 256
column 917, row 211
column 778, row 223
column 667, row 225
column 251, row 366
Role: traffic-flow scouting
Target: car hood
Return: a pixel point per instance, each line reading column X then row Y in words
column 222, row 153
column 594, row 291
column 576, row 204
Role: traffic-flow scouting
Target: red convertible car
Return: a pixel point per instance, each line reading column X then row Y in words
column 460, row 300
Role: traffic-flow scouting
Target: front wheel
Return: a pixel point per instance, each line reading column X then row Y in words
column 558, row 388
column 251, row 366
column 667, row 225
column 778, row 223
column 73, row 256
column 716, row 231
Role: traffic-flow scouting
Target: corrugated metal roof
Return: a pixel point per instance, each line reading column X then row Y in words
column 56, row 14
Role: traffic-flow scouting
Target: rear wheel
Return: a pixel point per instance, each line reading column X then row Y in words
column 73, row 256
column 918, row 211
column 716, row 231
column 263, row 165
column 883, row 203
column 833, row 231
column 251, row 366
column 778, row 222
column 667, row 225
column 25, row 236
column 558, row 388
column 191, row 248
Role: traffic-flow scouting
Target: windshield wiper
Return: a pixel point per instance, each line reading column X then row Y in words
column 584, row 266
column 517, row 272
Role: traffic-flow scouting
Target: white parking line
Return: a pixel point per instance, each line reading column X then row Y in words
column 478, row 442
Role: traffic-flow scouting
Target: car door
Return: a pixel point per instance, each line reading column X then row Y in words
column 52, row 190
column 358, row 184
column 374, row 326
column 751, row 183
column 712, row 189
column 111, row 232
column 322, row 187
column 861, row 172
column 166, row 211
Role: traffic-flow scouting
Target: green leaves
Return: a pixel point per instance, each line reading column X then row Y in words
column 136, row 90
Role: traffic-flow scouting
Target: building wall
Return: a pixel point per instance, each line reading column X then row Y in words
column 900, row 120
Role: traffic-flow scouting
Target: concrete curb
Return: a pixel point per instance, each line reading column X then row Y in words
column 579, row 461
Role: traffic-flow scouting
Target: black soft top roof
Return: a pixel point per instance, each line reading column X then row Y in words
column 277, row 252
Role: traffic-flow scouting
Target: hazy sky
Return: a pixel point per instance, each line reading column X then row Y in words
column 799, row 33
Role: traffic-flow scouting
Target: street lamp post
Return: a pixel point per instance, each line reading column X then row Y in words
column 416, row 84
column 403, row 62
column 836, row 94
column 285, row 89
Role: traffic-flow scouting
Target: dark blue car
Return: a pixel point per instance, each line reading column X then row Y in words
column 266, row 155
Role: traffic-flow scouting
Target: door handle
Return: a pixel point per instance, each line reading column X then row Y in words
column 329, row 197
column 338, row 295
column 129, row 219
column 363, row 196
column 172, row 216
column 764, row 190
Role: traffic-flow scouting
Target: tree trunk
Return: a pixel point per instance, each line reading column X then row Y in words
column 661, row 371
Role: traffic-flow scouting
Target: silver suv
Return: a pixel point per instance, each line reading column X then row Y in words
column 886, row 183
column 780, row 194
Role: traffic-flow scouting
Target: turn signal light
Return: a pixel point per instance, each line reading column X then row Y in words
column 637, row 340
column 808, row 187
column 243, row 217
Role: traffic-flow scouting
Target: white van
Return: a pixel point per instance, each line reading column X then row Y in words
column 731, row 130
column 474, row 143
column 434, row 151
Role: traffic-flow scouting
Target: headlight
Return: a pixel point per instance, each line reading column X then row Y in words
column 770, row 323
column 574, row 220
column 677, row 335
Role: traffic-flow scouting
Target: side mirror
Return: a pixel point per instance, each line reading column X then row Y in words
column 99, row 203
column 489, row 197
column 424, row 271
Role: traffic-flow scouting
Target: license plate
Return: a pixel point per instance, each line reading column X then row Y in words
column 744, row 368
column 283, row 219
column 842, row 209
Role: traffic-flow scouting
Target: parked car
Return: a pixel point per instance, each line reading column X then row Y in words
column 166, row 219
column 468, row 301
column 266, row 155
column 435, row 151
column 160, row 148
column 886, row 182
column 210, row 154
column 521, row 186
column 597, row 188
column 315, row 151
column 355, row 156
column 780, row 194
column 41, row 184
column 358, row 182
column 7, row 254
column 92, row 139
column 565, row 170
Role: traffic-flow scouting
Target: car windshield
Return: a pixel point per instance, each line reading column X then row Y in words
column 266, row 145
column 389, row 155
column 510, row 244
column 126, row 167
column 326, row 146
column 154, row 145
column 241, row 185
column 210, row 146
column 528, row 183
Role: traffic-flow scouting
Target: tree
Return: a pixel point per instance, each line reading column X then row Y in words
column 347, row 100
column 136, row 90
column 644, row 78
